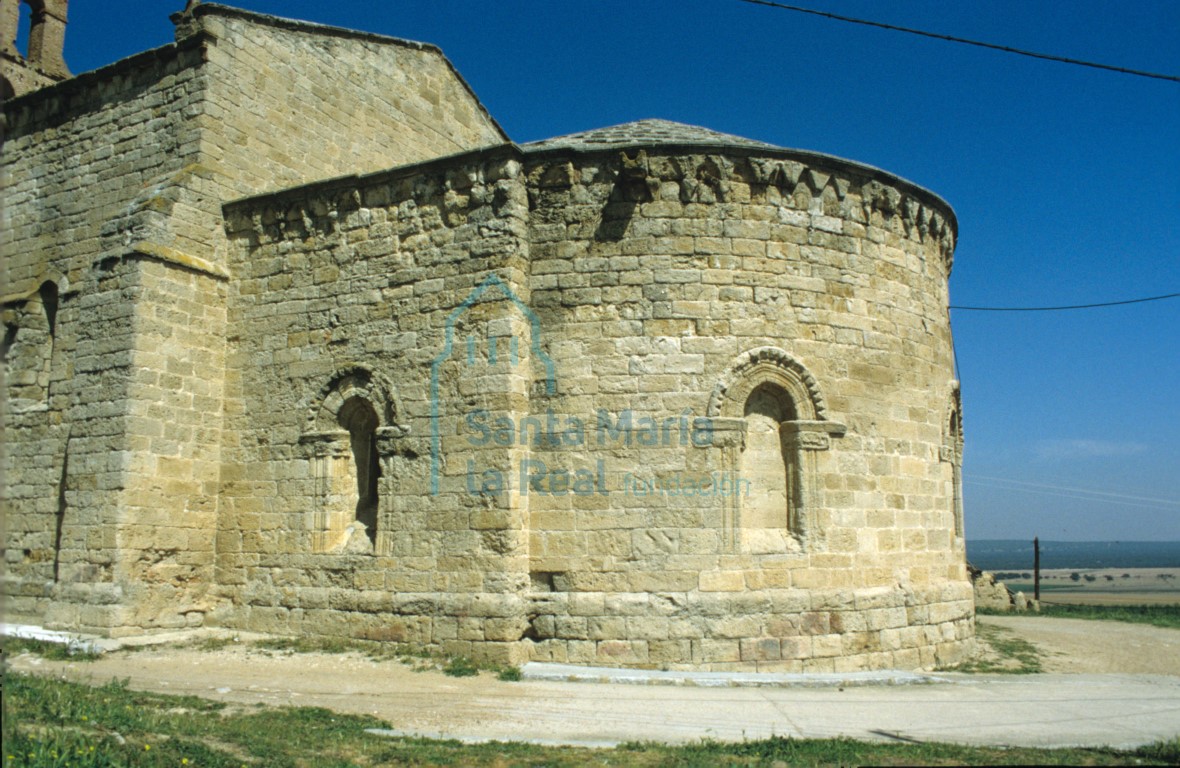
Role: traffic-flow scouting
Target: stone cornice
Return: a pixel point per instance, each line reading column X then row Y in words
column 175, row 258
column 919, row 213
column 795, row 163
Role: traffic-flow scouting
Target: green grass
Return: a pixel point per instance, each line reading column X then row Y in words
column 461, row 667
column 1157, row 615
column 52, row 723
column 455, row 666
column 1012, row 655
column 510, row 674
column 214, row 643
column 1027, row 587
column 1162, row 751
column 55, row 651
column 325, row 645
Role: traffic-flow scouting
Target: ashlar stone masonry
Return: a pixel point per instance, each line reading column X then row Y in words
column 297, row 341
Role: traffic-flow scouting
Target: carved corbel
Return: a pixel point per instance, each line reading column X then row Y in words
column 635, row 172
column 558, row 176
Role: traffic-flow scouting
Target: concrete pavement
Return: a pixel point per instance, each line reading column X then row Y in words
column 1030, row 710
column 1118, row 710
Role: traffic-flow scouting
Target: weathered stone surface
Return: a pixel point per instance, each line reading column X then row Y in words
column 649, row 395
column 41, row 64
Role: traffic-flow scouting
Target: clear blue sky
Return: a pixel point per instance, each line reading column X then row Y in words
column 1066, row 182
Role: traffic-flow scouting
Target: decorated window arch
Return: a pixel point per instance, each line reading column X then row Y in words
column 27, row 348
column 769, row 419
column 350, row 431
column 951, row 453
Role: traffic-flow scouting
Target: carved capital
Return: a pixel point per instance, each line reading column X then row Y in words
column 321, row 445
column 729, row 433
column 812, row 435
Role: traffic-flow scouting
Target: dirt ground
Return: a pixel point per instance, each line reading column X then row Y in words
column 1096, row 647
column 243, row 673
column 1107, row 598
column 1106, row 683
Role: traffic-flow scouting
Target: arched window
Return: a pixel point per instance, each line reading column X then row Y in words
column 41, row 26
column 769, row 463
column 769, row 422
column 49, row 302
column 359, row 419
column 955, row 440
column 30, row 327
column 349, row 431
column 14, row 27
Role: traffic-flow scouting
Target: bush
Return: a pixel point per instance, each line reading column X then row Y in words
column 509, row 674
column 461, row 667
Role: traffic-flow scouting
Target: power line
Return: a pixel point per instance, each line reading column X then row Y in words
column 1075, row 490
column 1071, row 306
column 965, row 41
column 1116, row 502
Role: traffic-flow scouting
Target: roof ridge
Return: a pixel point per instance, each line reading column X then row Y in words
column 648, row 130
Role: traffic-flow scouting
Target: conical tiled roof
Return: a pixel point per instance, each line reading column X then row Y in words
column 646, row 132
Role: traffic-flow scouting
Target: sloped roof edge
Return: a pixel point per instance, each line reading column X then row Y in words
column 314, row 28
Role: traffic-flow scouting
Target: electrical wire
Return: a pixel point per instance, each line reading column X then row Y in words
column 1115, row 502
column 1076, row 490
column 1071, row 306
column 965, row 41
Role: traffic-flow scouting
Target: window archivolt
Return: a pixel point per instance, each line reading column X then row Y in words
column 767, row 365
column 349, row 428
column 951, row 452
column 769, row 419
column 352, row 381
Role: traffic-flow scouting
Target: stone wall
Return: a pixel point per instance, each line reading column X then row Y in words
column 664, row 284
column 41, row 63
column 113, row 187
column 17, row 77
column 670, row 282
column 343, row 292
column 81, row 161
column 649, row 397
column 291, row 102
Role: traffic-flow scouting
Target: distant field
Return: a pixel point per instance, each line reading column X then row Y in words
column 1108, row 598
column 1011, row 554
column 1100, row 586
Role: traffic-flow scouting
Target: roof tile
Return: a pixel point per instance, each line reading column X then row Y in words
column 645, row 132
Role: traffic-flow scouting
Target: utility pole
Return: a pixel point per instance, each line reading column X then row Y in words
column 1037, row 568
